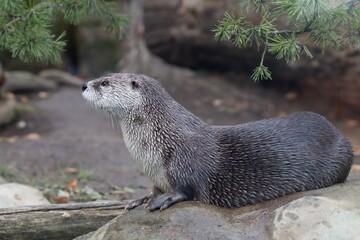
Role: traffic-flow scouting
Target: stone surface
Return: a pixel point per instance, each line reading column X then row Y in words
column 61, row 77
column 7, row 110
column 2, row 180
column 15, row 194
column 329, row 213
column 314, row 217
column 184, row 221
column 20, row 81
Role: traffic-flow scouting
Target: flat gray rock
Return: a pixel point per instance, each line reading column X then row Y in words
column 2, row 180
column 329, row 213
column 20, row 81
column 15, row 194
column 61, row 77
column 313, row 217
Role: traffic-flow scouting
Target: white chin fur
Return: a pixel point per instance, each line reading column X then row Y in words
column 88, row 96
column 93, row 99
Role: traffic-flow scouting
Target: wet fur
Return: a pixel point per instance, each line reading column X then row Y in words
column 227, row 166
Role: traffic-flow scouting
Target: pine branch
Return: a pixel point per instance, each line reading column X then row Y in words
column 326, row 26
column 25, row 26
column 262, row 72
column 12, row 22
column 352, row 3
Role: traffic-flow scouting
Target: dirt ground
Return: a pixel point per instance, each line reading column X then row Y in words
column 75, row 141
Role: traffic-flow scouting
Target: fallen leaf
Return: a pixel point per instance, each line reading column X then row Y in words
column 43, row 94
column 356, row 150
column 291, row 96
column 352, row 123
column 72, row 185
column 71, row 170
column 355, row 167
column 32, row 136
column 217, row 102
column 62, row 197
column 122, row 190
column 282, row 113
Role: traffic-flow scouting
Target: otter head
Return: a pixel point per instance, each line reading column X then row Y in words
column 116, row 93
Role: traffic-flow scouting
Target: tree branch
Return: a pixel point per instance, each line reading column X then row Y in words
column 57, row 221
column 352, row 3
column 264, row 51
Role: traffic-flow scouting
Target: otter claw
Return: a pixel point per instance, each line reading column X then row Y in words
column 163, row 201
column 136, row 203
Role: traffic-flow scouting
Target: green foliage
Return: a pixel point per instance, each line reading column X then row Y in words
column 324, row 23
column 5, row 171
column 261, row 72
column 25, row 25
column 287, row 47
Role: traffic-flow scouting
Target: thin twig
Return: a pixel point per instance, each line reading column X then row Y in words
column 264, row 51
column 352, row 3
column 282, row 31
column 12, row 22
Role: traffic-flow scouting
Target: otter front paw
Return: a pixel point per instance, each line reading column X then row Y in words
column 137, row 202
column 163, row 201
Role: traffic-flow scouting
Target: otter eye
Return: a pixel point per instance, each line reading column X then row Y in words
column 134, row 84
column 104, row 83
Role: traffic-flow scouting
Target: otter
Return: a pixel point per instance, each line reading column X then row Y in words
column 227, row 166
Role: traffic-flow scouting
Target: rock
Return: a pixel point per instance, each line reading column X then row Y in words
column 7, row 110
column 20, row 81
column 329, row 213
column 15, row 194
column 183, row 221
column 327, row 218
column 61, row 77
column 2, row 180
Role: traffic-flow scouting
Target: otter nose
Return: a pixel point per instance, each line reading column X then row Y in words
column 84, row 87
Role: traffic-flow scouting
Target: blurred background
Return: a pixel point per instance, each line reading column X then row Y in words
column 51, row 139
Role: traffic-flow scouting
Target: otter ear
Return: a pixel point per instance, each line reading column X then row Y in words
column 134, row 84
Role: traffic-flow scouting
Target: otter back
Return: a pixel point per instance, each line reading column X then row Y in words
column 274, row 157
